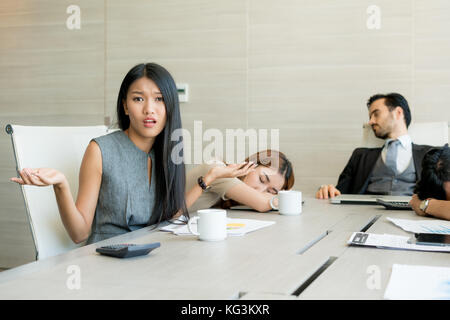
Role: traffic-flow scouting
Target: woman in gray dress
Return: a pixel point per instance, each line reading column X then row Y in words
column 127, row 178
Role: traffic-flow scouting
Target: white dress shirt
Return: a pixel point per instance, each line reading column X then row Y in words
column 404, row 152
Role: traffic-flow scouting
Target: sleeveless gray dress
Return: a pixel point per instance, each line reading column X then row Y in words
column 126, row 199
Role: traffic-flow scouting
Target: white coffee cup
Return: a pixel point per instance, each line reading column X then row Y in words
column 211, row 224
column 289, row 202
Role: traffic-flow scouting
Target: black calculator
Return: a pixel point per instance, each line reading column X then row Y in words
column 127, row 250
column 394, row 205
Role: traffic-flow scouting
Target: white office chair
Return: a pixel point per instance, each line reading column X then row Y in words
column 430, row 133
column 61, row 148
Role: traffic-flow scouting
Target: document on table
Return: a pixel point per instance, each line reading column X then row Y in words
column 245, row 208
column 423, row 226
column 418, row 282
column 235, row 227
column 388, row 241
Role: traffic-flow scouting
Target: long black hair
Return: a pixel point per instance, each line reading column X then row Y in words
column 435, row 171
column 170, row 176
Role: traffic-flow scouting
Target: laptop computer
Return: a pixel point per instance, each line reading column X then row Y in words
column 367, row 199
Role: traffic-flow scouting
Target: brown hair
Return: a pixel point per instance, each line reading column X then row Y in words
column 271, row 159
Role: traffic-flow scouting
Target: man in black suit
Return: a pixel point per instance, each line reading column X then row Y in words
column 390, row 170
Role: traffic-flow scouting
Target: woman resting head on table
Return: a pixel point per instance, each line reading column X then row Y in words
column 432, row 192
column 252, row 183
column 127, row 178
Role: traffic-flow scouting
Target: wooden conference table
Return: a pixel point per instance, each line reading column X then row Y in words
column 299, row 257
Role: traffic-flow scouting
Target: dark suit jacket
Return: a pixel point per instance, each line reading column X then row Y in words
column 354, row 179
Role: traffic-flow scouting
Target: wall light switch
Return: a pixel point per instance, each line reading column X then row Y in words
column 183, row 92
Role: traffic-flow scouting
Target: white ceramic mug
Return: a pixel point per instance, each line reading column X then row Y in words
column 211, row 224
column 289, row 202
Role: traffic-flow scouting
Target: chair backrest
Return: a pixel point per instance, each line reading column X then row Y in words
column 430, row 133
column 61, row 148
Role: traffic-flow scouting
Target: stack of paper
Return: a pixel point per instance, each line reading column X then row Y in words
column 389, row 241
column 418, row 282
column 235, row 227
column 423, row 226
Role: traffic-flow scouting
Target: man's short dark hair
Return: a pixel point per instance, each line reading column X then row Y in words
column 435, row 171
column 393, row 100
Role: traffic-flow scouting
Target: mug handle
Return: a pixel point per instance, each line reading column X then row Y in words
column 189, row 225
column 271, row 202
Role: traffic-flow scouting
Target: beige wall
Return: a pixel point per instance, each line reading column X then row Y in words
column 304, row 67
column 49, row 75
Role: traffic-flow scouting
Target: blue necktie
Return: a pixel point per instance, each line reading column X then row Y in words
column 391, row 155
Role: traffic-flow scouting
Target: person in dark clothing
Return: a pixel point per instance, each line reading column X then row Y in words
column 432, row 193
column 390, row 170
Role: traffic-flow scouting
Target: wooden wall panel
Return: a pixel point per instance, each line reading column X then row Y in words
column 202, row 43
column 50, row 75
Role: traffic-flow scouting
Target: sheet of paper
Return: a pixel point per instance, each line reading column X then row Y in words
column 235, row 227
column 245, row 208
column 418, row 282
column 389, row 241
column 423, row 226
